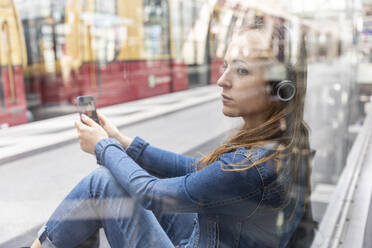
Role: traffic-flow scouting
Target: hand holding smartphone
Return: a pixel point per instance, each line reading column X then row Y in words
column 87, row 106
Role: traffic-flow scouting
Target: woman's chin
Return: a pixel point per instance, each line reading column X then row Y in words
column 228, row 113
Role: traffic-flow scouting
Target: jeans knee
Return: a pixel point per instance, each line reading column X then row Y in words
column 101, row 181
column 101, row 173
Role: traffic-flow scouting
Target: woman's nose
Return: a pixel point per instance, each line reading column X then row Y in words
column 224, row 80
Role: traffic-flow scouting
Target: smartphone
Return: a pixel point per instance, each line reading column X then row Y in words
column 87, row 106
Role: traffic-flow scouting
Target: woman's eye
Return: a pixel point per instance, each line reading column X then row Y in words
column 223, row 68
column 242, row 71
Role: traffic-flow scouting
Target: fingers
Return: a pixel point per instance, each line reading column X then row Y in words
column 88, row 121
column 78, row 125
column 102, row 118
column 81, row 126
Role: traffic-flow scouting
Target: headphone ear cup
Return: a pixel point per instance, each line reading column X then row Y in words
column 285, row 90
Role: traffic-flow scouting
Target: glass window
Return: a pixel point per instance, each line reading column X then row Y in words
column 213, row 34
column 178, row 33
column 185, row 31
column 308, row 63
column 106, row 6
column 156, row 24
column 58, row 11
column 33, row 37
column 104, row 31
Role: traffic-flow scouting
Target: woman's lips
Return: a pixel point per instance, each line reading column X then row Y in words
column 225, row 98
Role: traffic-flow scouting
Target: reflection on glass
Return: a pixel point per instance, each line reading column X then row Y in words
column 156, row 23
column 258, row 180
column 52, row 51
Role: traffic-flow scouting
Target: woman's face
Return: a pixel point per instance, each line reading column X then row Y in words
column 244, row 88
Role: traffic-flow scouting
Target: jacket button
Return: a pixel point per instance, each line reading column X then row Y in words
column 195, row 221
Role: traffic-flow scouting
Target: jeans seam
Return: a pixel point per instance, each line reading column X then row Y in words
column 237, row 240
column 196, row 244
column 47, row 243
column 259, row 203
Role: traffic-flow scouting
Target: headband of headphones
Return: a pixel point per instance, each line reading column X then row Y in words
column 280, row 74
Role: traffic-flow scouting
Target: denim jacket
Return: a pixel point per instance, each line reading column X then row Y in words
column 241, row 208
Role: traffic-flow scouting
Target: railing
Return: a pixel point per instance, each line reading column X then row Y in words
column 345, row 221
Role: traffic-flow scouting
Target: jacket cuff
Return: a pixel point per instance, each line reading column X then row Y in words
column 136, row 148
column 101, row 147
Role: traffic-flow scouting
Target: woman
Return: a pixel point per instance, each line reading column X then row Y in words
column 250, row 192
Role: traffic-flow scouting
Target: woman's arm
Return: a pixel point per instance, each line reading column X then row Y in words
column 211, row 190
column 158, row 161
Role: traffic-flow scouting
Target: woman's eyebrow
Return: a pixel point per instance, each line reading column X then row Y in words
column 226, row 61
column 246, row 63
column 239, row 61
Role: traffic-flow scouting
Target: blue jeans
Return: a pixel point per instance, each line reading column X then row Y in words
column 99, row 201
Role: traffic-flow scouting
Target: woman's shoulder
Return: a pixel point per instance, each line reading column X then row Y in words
column 250, row 155
column 245, row 159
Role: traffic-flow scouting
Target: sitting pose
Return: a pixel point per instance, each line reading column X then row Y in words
column 251, row 191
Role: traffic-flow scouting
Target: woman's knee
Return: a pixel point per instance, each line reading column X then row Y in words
column 102, row 183
column 100, row 173
column 107, row 194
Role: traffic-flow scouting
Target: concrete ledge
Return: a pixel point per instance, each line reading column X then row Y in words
column 344, row 221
